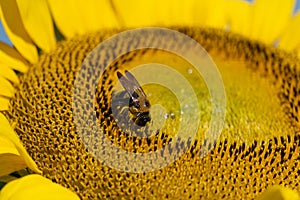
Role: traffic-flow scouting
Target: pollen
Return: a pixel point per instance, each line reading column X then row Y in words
column 259, row 145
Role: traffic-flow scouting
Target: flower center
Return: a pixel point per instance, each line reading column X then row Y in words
column 259, row 136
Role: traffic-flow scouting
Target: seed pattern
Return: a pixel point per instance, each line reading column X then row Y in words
column 42, row 108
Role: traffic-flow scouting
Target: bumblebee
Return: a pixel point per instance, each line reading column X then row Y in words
column 138, row 104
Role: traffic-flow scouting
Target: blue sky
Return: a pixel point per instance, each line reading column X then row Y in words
column 4, row 38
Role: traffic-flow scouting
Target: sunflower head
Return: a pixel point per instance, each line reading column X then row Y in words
column 53, row 115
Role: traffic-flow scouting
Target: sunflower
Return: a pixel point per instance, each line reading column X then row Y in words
column 255, row 46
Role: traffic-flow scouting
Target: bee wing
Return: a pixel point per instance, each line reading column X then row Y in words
column 131, row 78
column 130, row 84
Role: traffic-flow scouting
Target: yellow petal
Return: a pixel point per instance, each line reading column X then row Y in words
column 10, row 159
column 143, row 13
column 38, row 23
column 134, row 13
column 4, row 102
column 8, row 73
column 15, row 30
column 210, row 13
column 12, row 58
column 6, row 88
column 278, row 192
column 239, row 15
column 7, row 131
column 35, row 187
column 270, row 17
column 98, row 14
column 290, row 39
column 180, row 12
column 80, row 17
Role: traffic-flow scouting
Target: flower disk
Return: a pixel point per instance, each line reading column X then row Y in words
column 243, row 163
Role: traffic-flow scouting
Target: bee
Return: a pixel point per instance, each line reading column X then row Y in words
column 139, row 105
